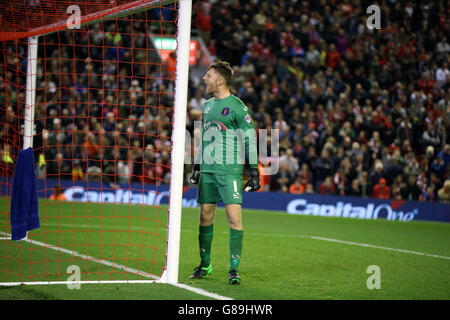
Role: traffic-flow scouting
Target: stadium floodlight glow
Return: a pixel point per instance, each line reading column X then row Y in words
column 101, row 40
column 165, row 43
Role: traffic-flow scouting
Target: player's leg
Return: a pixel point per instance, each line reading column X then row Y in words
column 234, row 215
column 207, row 198
column 231, row 193
column 205, row 234
column 207, row 213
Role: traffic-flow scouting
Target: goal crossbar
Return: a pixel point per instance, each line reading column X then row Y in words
column 115, row 12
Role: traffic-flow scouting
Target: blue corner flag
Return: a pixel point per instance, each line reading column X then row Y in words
column 24, row 201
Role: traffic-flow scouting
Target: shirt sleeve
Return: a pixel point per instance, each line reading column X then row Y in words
column 243, row 120
column 198, row 156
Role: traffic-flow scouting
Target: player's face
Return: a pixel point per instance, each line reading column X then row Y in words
column 212, row 81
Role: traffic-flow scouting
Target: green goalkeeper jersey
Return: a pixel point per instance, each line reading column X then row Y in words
column 228, row 137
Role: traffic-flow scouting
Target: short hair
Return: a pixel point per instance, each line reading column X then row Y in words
column 225, row 70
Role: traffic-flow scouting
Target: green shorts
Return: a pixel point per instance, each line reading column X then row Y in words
column 214, row 188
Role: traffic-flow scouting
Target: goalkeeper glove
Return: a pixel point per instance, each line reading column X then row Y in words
column 195, row 174
column 253, row 184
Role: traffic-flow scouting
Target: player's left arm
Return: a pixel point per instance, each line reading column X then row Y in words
column 244, row 121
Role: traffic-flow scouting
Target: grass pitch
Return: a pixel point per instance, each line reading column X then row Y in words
column 285, row 257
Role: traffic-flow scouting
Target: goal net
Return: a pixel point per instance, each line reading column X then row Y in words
column 87, row 87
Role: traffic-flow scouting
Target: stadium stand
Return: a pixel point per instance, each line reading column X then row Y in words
column 353, row 105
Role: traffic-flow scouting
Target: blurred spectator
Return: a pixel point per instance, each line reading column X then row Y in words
column 309, row 189
column 327, row 187
column 443, row 46
column 397, row 187
column 393, row 169
column 171, row 65
column 377, row 173
column 431, row 137
column 290, row 160
column 58, row 194
column 428, row 196
column 355, row 189
column 442, row 75
column 365, row 185
column 297, row 187
column 265, row 179
column 340, row 180
column 333, row 57
column 196, row 103
column 323, row 167
column 444, row 155
column 313, row 57
column 77, row 172
column 203, row 21
column 305, row 175
column 411, row 190
column 283, row 179
column 444, row 192
column 381, row 190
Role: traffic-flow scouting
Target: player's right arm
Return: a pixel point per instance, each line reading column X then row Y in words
column 195, row 177
column 197, row 159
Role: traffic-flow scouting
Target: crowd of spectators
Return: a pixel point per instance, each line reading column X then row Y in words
column 103, row 101
column 360, row 112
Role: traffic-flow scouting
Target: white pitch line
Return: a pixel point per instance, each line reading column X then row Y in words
column 367, row 245
column 379, row 247
column 219, row 297
column 37, row 283
column 201, row 291
column 108, row 263
column 86, row 257
column 360, row 244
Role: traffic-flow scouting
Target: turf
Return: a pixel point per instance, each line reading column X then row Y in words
column 283, row 258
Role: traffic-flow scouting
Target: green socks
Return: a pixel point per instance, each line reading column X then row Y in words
column 236, row 237
column 205, row 239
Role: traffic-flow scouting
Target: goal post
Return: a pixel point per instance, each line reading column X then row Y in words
column 30, row 93
column 178, row 139
column 107, row 123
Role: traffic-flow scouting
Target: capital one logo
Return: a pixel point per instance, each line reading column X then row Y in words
column 374, row 20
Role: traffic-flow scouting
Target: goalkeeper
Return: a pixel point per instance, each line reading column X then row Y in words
column 228, row 137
